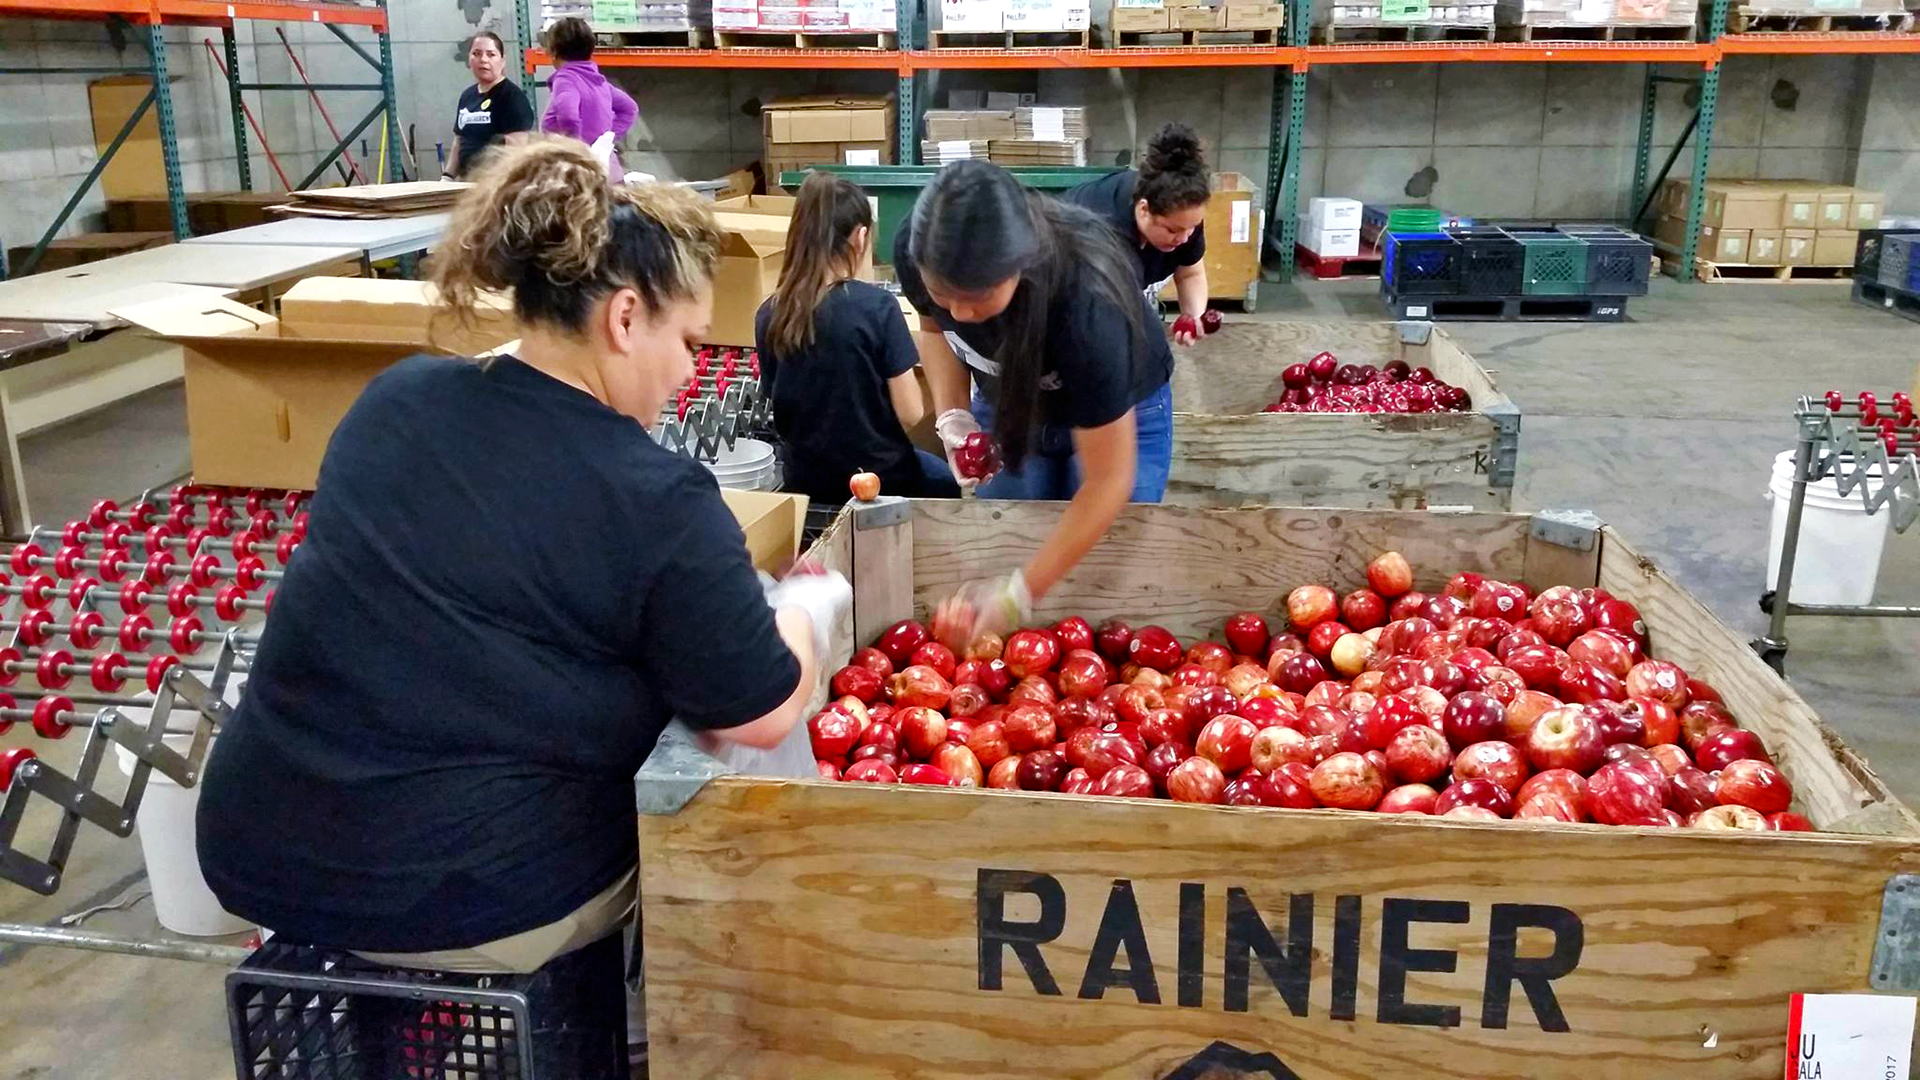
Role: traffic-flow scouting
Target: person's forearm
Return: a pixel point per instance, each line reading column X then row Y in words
column 453, row 159
column 908, row 403
column 1082, row 525
column 947, row 377
column 768, row 731
column 1190, row 284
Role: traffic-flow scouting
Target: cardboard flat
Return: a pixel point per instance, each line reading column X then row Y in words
column 135, row 170
column 59, row 298
column 773, row 522
column 1197, row 18
column 231, row 266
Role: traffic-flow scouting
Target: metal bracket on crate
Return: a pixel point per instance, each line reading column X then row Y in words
column 76, row 795
column 1414, row 333
column 1578, row 530
column 882, row 513
column 1503, row 455
column 674, row 772
column 1839, row 450
column 1896, row 947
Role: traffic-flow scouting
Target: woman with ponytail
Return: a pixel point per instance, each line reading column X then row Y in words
column 1157, row 211
column 506, row 591
column 1039, row 334
column 839, row 358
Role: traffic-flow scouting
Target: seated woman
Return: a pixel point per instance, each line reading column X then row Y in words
column 506, row 591
column 838, row 358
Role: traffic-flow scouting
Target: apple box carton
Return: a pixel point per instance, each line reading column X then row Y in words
column 264, row 394
column 774, row 523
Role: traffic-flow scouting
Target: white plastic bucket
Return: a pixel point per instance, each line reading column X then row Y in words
column 181, row 899
column 1838, row 560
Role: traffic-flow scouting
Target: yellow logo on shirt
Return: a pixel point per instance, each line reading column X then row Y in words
column 487, row 104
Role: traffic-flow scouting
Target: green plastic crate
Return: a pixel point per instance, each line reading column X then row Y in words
column 895, row 187
column 1413, row 219
column 1556, row 265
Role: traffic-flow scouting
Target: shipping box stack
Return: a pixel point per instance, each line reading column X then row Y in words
column 1769, row 228
column 1043, row 136
column 1404, row 20
column 966, row 24
column 835, row 23
column 659, row 23
column 1818, row 16
column 1547, row 20
column 1255, row 23
column 1331, row 228
column 827, row 130
column 960, row 134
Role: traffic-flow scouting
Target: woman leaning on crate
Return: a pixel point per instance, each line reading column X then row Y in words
column 1037, row 317
column 507, row 590
column 838, row 358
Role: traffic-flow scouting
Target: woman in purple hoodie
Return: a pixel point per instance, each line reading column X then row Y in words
column 583, row 103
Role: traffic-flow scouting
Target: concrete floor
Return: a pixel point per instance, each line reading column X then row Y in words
column 1666, row 426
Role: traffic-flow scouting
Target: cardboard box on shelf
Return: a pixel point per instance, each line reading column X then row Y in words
column 1138, row 20
column 1197, row 18
column 264, row 394
column 1865, row 210
column 1047, row 16
column 949, row 125
column 1733, row 206
column 811, row 131
column 1800, row 207
column 1723, row 245
column 972, row 17
column 1763, row 247
column 1333, row 243
column 1835, row 247
column 1254, row 16
column 750, row 260
column 736, row 17
column 1796, row 247
column 1234, row 225
column 1334, row 213
column 1836, row 208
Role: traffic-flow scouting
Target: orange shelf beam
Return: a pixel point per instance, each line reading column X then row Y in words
column 1512, row 52
column 200, row 12
column 1169, row 57
column 1777, row 44
column 790, row 59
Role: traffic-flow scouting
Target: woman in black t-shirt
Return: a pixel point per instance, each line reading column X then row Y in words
column 1159, row 210
column 1040, row 323
column 838, row 358
column 506, row 591
column 489, row 110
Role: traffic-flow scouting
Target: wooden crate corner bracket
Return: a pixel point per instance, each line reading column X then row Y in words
column 1896, row 948
column 675, row 772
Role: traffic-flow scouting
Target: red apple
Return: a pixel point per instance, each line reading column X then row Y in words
column 967, row 700
column 1386, row 719
column 1347, row 781
column 922, row 730
column 1701, row 691
column 1030, row 652
column 827, row 770
column 1389, row 575
column 1493, row 760
column 1418, row 754
column 1247, row 790
column 1408, row 799
column 1042, row 770
column 875, row 661
column 1207, row 702
column 1161, row 760
column 1073, row 633
column 1164, row 726
column 1671, row 758
column 1463, row 585
column 1321, row 638
column 1657, row 718
column 1227, row 741
column 1618, row 793
column 1078, row 712
column 1405, row 606
column 1701, row 719
column 1476, row 792
column 856, row 681
column 990, row 675
column 1603, row 649
column 959, row 763
column 1264, row 711
column 1107, row 750
column 1546, row 806
column 1559, row 621
column 1563, row 784
column 1082, row 674
column 1290, row 787
column 1566, row 738
column 1244, row 680
column 1363, row 609
column 1620, row 616
column 1758, row 784
column 936, row 656
column 1155, row 647
column 1274, row 746
column 1194, row 675
column 871, row 771
column 832, row 733
column 1540, row 665
column 1211, row 656
column 900, row 640
column 1723, row 748
column 1443, row 611
column 1659, row 680
column 1350, row 653
column 1730, row 818
column 1518, row 638
column 1004, row 775
column 1498, row 600
column 1472, row 717
column 1196, row 780
column 1471, row 813
column 1324, row 720
column 1111, row 640
column 1309, row 605
column 1076, row 782
column 1300, row 672
column 1127, row 781
column 1033, row 690
column 1690, row 791
column 1789, row 822
column 1030, row 728
column 1502, row 684
column 1247, row 633
column 920, row 686
column 1583, row 682
column 986, row 647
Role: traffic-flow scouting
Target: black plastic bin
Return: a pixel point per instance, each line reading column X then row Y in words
column 1420, row 264
column 1619, row 263
column 1491, row 261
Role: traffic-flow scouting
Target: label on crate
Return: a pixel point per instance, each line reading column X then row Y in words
column 863, row 157
column 1242, row 221
column 1844, row 1036
column 1416, row 311
column 615, row 12
column 1406, row 10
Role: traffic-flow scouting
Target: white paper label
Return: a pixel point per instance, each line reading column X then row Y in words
column 1844, row 1036
column 863, row 157
column 1050, row 124
column 1416, row 311
column 1242, row 221
column 955, row 149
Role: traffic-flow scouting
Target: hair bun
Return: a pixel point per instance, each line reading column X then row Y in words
column 1174, row 149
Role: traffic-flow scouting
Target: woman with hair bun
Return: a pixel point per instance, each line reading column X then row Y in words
column 506, row 591
column 1158, row 212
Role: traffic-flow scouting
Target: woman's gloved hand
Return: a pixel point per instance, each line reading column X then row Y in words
column 824, row 595
column 953, row 427
column 999, row 606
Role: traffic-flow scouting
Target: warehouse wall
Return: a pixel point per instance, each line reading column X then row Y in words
column 1886, row 154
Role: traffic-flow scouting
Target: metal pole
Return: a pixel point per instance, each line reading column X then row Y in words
column 86, row 184
column 341, row 146
column 906, row 108
column 523, row 28
column 336, row 31
column 396, row 171
column 1643, row 149
column 243, row 156
column 1774, row 645
column 199, row 952
column 1640, row 208
column 1703, row 144
column 169, row 138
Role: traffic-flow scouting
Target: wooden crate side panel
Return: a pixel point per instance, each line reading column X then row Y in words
column 1367, row 460
column 1187, row 569
column 813, row 930
column 834, row 551
column 1237, row 371
column 1453, row 364
column 1682, row 630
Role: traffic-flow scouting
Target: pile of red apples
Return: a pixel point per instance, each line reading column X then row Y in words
column 1482, row 701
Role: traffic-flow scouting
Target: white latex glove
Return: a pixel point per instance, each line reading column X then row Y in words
column 603, row 150
column 999, row 606
column 953, row 427
column 825, row 597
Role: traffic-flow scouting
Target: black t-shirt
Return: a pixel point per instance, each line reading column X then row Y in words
column 506, row 591
column 485, row 118
column 1095, row 371
column 830, row 402
column 1112, row 199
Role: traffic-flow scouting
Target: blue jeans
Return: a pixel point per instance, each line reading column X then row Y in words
column 1051, row 471
column 937, row 478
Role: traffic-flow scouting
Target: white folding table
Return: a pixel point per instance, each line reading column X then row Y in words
column 381, row 238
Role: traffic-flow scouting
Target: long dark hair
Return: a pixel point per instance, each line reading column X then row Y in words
column 1173, row 174
column 975, row 226
column 571, row 39
column 830, row 208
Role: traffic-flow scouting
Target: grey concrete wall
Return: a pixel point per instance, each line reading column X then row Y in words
column 1887, row 154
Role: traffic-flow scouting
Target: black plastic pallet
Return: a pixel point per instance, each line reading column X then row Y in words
column 1509, row 308
column 1886, row 298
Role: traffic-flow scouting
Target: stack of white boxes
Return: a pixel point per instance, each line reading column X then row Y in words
column 1331, row 228
column 805, row 16
column 1014, row 16
column 627, row 16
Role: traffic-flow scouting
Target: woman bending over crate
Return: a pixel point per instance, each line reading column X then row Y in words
column 839, row 358
column 1034, row 312
column 507, row 590
column 1158, row 210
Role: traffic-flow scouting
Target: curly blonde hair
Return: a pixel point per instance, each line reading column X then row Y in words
column 541, row 221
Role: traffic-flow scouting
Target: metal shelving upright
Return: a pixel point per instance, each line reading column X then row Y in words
column 148, row 19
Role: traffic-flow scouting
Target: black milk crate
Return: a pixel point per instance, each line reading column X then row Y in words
column 301, row 1013
column 1420, row 264
column 1619, row 263
column 1866, row 254
column 1899, row 259
column 1508, row 308
column 1491, row 260
column 1898, row 301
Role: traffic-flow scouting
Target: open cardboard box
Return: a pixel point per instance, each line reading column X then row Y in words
column 774, row 523
column 264, row 394
column 750, row 260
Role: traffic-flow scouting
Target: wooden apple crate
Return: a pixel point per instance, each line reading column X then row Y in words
column 1227, row 452
column 800, row 929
